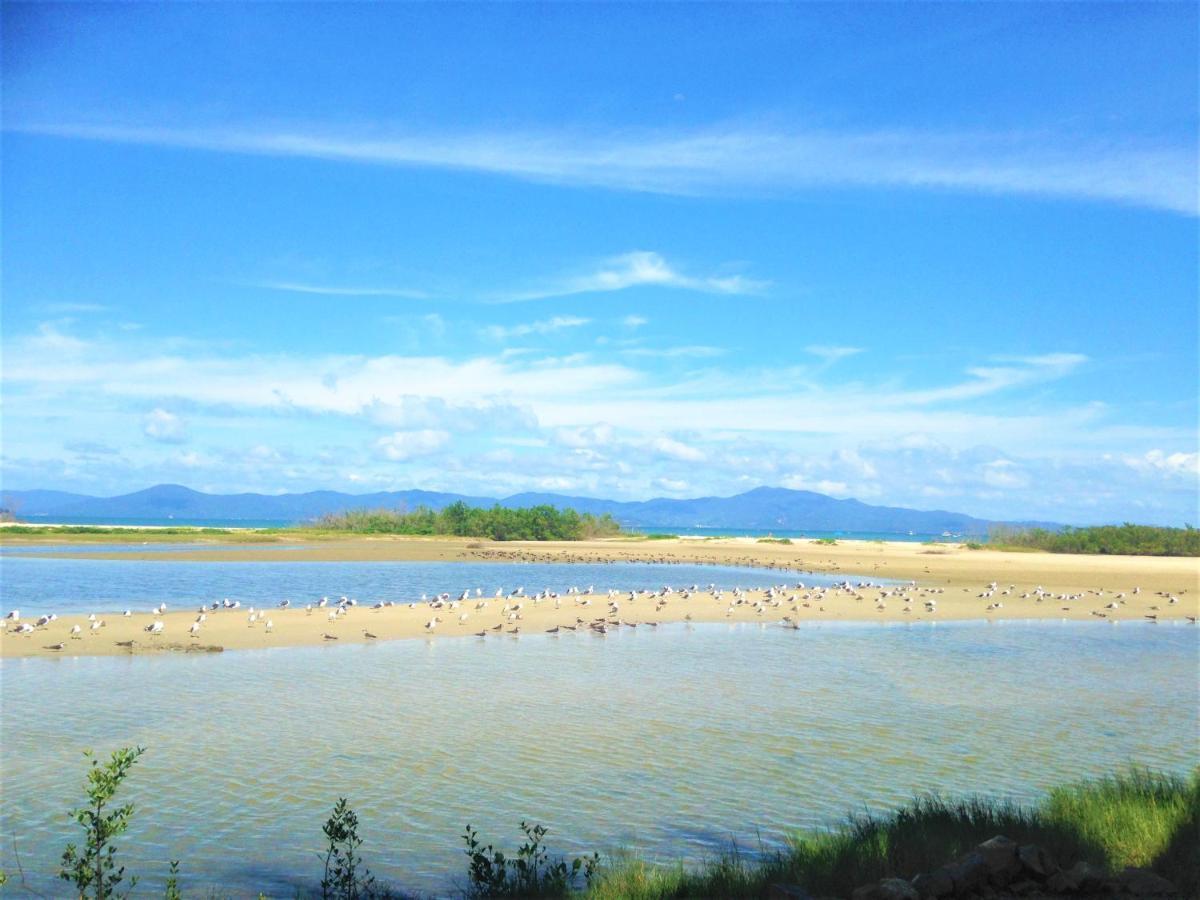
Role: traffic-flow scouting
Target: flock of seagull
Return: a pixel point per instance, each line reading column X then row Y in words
column 779, row 603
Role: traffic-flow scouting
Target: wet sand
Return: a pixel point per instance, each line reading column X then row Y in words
column 954, row 577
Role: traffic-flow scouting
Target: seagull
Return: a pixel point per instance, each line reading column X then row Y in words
column 194, row 629
column 154, row 628
column 284, row 604
column 55, row 647
column 75, row 630
column 269, row 626
column 330, row 637
column 14, row 616
column 368, row 635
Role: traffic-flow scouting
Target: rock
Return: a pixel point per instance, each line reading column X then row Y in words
column 1082, row 876
column 1144, row 883
column 969, row 872
column 1037, row 861
column 788, row 892
column 1024, row 887
column 887, row 889
column 935, row 884
column 1000, row 856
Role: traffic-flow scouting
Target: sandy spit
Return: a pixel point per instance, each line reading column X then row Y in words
column 952, row 576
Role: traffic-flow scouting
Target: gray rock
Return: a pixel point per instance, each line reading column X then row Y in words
column 937, row 883
column 969, row 872
column 1082, row 876
column 1024, row 887
column 1000, row 856
column 1144, row 883
column 887, row 889
column 1037, row 861
column 788, row 892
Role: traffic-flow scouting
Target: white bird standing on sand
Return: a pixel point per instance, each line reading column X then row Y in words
column 154, row 628
column 127, row 613
column 270, row 625
column 432, row 623
column 14, row 616
column 194, row 629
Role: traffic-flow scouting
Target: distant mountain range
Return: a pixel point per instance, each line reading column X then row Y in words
column 763, row 508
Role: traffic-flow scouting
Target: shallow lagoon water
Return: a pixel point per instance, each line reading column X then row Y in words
column 672, row 741
column 40, row 585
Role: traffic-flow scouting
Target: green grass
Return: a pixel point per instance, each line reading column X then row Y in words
column 1135, row 818
column 83, row 534
column 826, row 541
column 773, row 540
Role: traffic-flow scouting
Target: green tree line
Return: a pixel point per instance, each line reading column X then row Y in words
column 535, row 523
column 1127, row 539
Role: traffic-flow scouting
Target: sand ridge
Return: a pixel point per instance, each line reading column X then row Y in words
column 957, row 580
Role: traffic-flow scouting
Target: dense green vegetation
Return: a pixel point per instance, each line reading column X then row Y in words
column 1135, row 818
column 1132, row 540
column 535, row 523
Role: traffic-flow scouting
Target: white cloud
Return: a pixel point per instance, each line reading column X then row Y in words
column 163, row 426
column 677, row 449
column 639, row 268
column 543, row 327
column 405, row 445
column 832, row 354
column 1171, row 465
column 695, row 351
column 731, row 158
column 1004, row 473
column 333, row 290
column 820, row 486
column 634, row 321
column 73, row 308
column 674, row 485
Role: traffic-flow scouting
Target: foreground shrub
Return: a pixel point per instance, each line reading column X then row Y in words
column 93, row 870
column 529, row 874
column 343, row 879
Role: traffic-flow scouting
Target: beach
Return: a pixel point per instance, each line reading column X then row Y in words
column 957, row 579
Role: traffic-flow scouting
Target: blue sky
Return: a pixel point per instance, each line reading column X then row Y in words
column 932, row 255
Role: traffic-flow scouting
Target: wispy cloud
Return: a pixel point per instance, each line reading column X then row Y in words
column 831, row 354
column 694, row 351
column 72, row 308
column 737, row 159
column 639, row 268
column 330, row 290
column 545, row 326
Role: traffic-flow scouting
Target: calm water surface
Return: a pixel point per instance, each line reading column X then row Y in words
column 673, row 741
column 36, row 585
